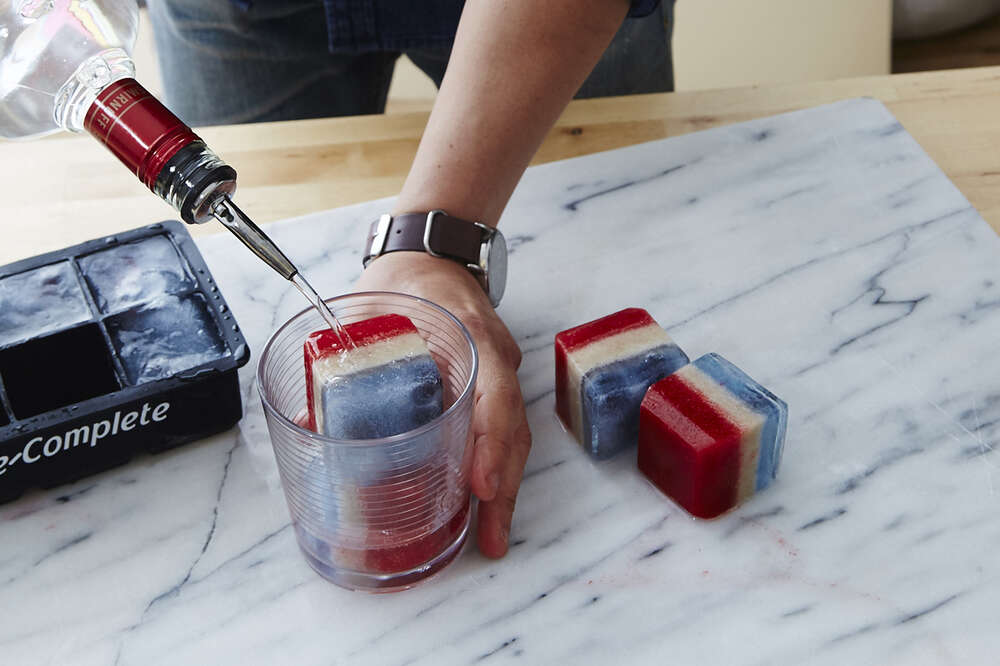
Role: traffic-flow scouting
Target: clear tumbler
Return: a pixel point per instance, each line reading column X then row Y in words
column 374, row 514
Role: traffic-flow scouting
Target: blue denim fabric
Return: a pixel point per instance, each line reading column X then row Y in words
column 642, row 8
column 398, row 25
column 224, row 63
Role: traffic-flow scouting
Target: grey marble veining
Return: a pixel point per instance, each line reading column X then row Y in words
column 822, row 251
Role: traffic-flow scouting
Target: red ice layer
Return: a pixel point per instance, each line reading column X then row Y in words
column 365, row 332
column 391, row 510
column 605, row 327
column 688, row 448
column 392, row 559
column 585, row 334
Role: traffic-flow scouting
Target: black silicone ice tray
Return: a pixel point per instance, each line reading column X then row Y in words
column 118, row 345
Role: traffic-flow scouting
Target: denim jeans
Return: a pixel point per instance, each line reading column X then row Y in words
column 224, row 65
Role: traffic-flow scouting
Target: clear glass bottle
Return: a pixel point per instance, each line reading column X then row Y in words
column 56, row 53
column 65, row 65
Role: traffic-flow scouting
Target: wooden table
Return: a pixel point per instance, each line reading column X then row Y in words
column 64, row 190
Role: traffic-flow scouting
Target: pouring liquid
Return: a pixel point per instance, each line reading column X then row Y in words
column 234, row 219
column 324, row 310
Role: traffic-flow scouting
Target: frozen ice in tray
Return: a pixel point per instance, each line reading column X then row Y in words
column 388, row 385
column 710, row 436
column 603, row 369
column 168, row 337
column 135, row 273
column 40, row 301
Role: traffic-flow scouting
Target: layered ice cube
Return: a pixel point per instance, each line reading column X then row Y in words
column 710, row 436
column 603, row 369
column 162, row 339
column 387, row 385
column 134, row 273
column 40, row 301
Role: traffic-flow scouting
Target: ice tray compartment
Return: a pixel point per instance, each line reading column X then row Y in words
column 40, row 300
column 135, row 273
column 57, row 371
column 162, row 339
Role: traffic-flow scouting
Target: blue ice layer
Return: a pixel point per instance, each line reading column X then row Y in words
column 318, row 521
column 611, row 395
column 760, row 400
column 380, row 402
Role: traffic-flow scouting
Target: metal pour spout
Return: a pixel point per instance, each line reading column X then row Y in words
column 234, row 219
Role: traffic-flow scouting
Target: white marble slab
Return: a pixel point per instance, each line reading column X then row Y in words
column 822, row 251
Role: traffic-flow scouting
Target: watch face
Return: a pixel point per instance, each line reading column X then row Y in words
column 496, row 268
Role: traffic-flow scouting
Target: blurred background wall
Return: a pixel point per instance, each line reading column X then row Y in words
column 725, row 43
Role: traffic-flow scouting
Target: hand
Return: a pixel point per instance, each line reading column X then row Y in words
column 500, row 425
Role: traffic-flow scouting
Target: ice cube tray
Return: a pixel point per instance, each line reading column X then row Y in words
column 116, row 346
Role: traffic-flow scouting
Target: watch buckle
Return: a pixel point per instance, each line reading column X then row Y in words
column 380, row 238
column 428, row 226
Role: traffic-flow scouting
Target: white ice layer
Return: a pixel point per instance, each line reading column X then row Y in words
column 337, row 366
column 613, row 348
column 748, row 421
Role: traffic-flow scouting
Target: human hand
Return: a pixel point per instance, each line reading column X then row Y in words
column 502, row 439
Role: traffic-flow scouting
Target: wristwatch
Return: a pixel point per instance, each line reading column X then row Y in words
column 481, row 249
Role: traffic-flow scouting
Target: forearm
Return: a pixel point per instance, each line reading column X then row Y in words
column 514, row 67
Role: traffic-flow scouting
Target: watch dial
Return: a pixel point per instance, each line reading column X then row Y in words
column 496, row 269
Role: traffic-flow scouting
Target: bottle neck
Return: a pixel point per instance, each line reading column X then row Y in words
column 92, row 77
column 153, row 143
column 193, row 181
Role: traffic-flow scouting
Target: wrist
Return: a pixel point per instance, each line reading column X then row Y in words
column 477, row 249
column 421, row 274
column 408, row 267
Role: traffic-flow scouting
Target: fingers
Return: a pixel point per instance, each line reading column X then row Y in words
column 498, row 412
column 503, row 442
column 495, row 516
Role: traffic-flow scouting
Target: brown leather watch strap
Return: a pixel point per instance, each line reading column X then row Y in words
column 449, row 236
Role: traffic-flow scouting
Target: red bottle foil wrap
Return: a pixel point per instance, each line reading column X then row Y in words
column 137, row 128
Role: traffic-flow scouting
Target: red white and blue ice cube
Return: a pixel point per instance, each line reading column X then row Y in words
column 388, row 384
column 603, row 369
column 710, row 436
